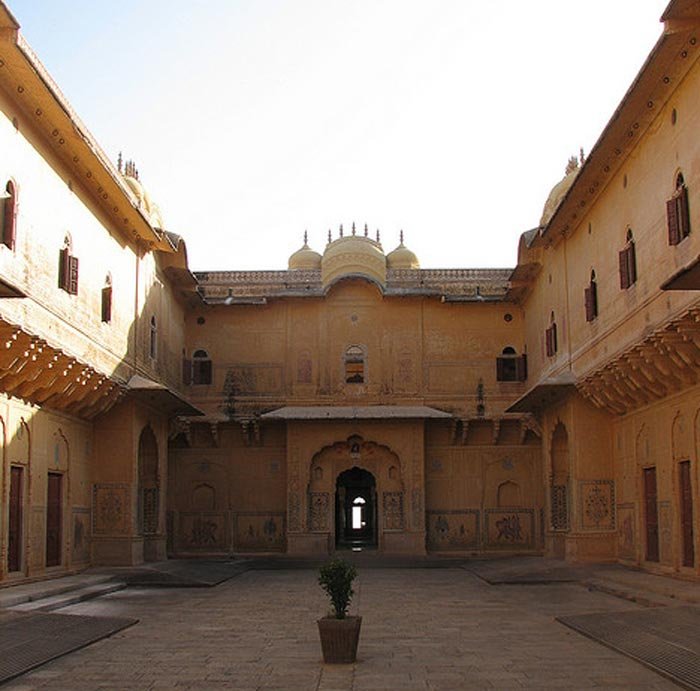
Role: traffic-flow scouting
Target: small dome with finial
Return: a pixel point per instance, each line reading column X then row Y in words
column 305, row 258
column 561, row 188
column 402, row 257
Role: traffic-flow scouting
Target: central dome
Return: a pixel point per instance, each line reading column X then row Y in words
column 353, row 255
column 559, row 191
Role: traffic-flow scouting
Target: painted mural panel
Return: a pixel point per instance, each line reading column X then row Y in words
column 203, row 531
column 509, row 528
column 453, row 530
column 259, row 532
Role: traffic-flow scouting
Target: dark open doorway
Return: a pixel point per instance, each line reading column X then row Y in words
column 356, row 509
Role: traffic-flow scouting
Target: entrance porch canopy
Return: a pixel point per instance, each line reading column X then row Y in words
column 366, row 412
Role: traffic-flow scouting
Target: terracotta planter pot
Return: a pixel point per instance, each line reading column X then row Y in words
column 339, row 638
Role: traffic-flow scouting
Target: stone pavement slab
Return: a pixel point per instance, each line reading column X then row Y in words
column 429, row 629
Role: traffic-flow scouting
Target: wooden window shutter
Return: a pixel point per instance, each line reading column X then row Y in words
column 624, row 271
column 10, row 217
column 186, row 371
column 683, row 213
column 72, row 275
column 631, row 264
column 554, row 338
column 206, row 371
column 521, row 368
column 550, row 341
column 674, row 232
column 500, row 369
column 107, row 304
column 591, row 301
column 63, row 269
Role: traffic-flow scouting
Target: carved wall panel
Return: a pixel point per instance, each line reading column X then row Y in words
column 452, row 530
column 259, row 532
column 597, row 508
column 110, row 509
column 319, row 511
column 508, row 529
column 392, row 509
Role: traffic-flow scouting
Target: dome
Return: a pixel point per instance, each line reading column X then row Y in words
column 146, row 204
column 353, row 255
column 304, row 258
column 559, row 191
column 402, row 257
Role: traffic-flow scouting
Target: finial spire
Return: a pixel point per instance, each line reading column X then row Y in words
column 377, row 235
column 353, row 227
column 330, row 239
column 366, row 231
column 306, row 238
column 581, row 156
column 401, row 237
column 341, row 230
column 119, row 162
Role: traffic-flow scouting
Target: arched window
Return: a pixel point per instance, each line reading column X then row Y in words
column 628, row 262
column 550, row 337
column 9, row 214
column 678, row 213
column 107, row 300
column 201, row 367
column 510, row 366
column 354, row 365
column 590, row 295
column 68, row 268
column 153, row 340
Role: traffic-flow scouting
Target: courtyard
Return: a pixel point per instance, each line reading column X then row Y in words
column 423, row 628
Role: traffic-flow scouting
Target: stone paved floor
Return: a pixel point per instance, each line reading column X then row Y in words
column 423, row 629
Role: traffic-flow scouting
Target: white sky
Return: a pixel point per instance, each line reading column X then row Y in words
column 253, row 120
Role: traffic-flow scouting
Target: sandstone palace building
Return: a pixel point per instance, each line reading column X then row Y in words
column 354, row 399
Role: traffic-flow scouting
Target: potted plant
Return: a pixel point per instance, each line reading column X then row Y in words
column 339, row 632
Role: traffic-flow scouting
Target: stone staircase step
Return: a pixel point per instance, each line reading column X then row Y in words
column 70, row 597
column 28, row 592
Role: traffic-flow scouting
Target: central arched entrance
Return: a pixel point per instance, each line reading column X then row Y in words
column 355, row 509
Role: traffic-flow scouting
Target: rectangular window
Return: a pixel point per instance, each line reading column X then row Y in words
column 511, row 368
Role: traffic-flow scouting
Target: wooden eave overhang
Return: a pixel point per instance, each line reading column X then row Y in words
column 667, row 64
column 664, row 363
column 29, row 85
column 159, row 396
column 42, row 374
column 370, row 412
column 544, row 394
column 686, row 278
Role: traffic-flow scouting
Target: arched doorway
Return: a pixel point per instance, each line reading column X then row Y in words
column 355, row 509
